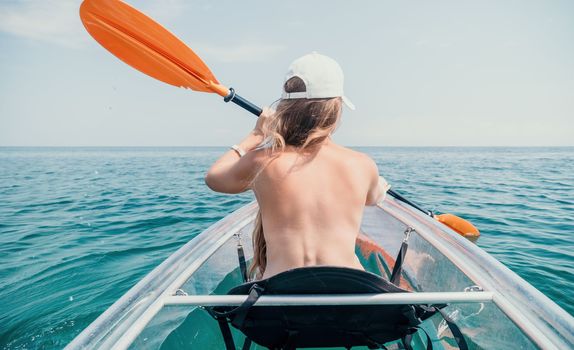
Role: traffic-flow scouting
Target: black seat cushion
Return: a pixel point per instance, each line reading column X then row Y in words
column 326, row 326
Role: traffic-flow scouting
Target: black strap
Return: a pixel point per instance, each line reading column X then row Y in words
column 254, row 294
column 429, row 341
column 226, row 333
column 408, row 338
column 242, row 310
column 424, row 312
column 242, row 264
column 237, row 316
column 455, row 330
column 246, row 344
column 397, row 269
column 429, row 310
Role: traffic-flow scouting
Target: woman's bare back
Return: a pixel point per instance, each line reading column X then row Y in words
column 312, row 205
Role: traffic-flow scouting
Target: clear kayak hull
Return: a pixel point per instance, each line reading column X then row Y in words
column 155, row 313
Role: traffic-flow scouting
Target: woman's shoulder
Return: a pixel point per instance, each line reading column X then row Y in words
column 357, row 156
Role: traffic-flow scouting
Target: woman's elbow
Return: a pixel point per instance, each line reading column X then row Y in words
column 218, row 183
column 222, row 184
column 210, row 181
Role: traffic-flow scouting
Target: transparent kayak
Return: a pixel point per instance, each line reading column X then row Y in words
column 493, row 306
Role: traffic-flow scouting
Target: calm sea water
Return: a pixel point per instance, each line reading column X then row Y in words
column 80, row 226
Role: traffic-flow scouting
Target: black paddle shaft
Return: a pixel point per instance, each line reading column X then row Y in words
column 241, row 102
column 404, row 200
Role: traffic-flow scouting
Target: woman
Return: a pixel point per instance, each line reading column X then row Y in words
column 311, row 191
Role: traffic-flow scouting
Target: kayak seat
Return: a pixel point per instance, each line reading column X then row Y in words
column 291, row 327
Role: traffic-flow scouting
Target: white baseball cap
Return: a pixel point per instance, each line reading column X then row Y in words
column 322, row 75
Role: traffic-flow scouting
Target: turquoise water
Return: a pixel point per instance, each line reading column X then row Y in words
column 80, row 226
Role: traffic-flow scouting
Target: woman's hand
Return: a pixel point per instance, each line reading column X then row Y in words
column 384, row 187
column 255, row 137
column 232, row 173
column 263, row 121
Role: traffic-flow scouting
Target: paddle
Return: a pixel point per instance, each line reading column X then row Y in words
column 147, row 46
column 458, row 224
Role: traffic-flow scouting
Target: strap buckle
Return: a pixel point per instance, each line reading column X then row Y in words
column 408, row 232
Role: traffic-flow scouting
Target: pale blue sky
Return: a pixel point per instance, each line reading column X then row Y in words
column 421, row 73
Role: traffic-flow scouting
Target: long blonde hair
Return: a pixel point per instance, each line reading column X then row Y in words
column 303, row 124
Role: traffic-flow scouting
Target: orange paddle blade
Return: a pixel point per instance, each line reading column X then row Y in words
column 145, row 45
column 460, row 225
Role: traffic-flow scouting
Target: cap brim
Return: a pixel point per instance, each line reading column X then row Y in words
column 348, row 103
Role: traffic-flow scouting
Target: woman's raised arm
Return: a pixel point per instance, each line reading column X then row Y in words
column 234, row 170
